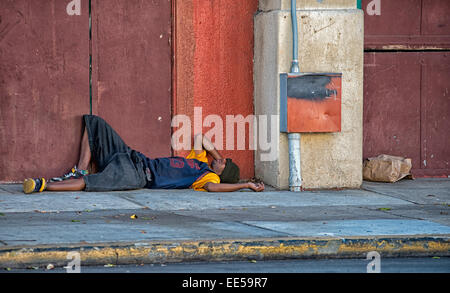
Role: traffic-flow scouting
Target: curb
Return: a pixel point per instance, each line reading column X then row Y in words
column 224, row 250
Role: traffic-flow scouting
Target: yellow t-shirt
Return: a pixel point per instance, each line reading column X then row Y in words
column 209, row 177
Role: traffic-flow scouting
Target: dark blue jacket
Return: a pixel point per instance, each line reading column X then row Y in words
column 174, row 172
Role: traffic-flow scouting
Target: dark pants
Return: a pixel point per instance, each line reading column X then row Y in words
column 119, row 166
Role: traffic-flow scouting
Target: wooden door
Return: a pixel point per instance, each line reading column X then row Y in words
column 132, row 71
column 44, row 87
column 45, row 58
column 406, row 88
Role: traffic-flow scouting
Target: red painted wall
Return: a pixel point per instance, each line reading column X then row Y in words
column 131, row 76
column 44, row 87
column 214, row 64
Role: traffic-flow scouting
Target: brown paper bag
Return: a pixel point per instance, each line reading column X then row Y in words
column 386, row 168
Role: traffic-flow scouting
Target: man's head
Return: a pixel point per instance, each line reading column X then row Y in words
column 227, row 170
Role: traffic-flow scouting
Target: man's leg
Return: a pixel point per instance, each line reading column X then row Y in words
column 85, row 152
column 115, row 146
column 67, row 185
column 34, row 185
column 83, row 164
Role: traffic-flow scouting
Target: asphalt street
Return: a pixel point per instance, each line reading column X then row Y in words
column 387, row 265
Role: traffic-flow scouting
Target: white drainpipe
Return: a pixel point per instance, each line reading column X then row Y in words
column 295, row 175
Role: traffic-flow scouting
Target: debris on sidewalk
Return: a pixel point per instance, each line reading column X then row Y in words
column 386, row 168
column 50, row 266
column 384, row 209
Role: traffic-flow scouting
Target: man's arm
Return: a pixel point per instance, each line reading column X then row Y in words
column 202, row 142
column 225, row 187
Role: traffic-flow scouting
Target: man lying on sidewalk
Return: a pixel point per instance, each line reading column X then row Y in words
column 122, row 168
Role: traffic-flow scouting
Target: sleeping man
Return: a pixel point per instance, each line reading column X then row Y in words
column 121, row 168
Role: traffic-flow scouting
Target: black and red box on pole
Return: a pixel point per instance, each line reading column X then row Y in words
column 310, row 102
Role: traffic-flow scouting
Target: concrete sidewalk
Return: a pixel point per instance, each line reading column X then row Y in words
column 407, row 218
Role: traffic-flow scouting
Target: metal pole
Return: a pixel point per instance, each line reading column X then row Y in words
column 294, row 67
column 295, row 177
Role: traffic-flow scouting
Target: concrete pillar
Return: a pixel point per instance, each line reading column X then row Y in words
column 331, row 36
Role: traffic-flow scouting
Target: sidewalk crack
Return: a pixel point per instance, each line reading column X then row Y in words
column 129, row 199
column 389, row 195
column 394, row 214
column 7, row 191
column 267, row 229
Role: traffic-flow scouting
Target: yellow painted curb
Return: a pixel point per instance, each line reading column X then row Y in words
column 224, row 250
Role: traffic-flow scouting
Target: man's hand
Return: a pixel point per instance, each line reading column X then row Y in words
column 256, row 186
column 226, row 187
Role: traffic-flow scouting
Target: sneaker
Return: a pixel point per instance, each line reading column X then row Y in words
column 34, row 185
column 75, row 173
